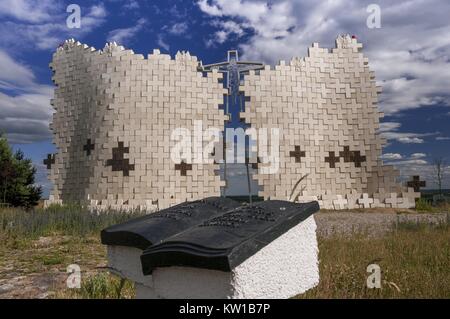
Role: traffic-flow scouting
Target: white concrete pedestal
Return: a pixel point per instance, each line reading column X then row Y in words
column 284, row 268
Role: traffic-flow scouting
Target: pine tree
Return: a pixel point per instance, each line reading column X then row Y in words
column 17, row 177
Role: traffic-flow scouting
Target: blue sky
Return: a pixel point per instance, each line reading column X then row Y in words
column 410, row 54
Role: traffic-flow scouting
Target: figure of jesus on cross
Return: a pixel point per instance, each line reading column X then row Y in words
column 233, row 69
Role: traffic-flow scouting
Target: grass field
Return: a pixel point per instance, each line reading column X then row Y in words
column 414, row 261
column 36, row 247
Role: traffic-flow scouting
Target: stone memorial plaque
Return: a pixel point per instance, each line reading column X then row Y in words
column 145, row 231
column 224, row 241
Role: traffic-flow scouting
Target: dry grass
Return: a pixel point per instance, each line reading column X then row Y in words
column 414, row 259
column 37, row 246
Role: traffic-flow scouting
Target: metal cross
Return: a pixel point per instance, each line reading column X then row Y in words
column 233, row 68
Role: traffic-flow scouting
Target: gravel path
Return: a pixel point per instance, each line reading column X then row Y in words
column 371, row 223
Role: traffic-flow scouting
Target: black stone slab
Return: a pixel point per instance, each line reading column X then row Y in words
column 225, row 241
column 145, row 231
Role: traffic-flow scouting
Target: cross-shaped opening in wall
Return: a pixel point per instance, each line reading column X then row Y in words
column 88, row 147
column 416, row 183
column 183, row 167
column 358, row 159
column 332, row 159
column 352, row 156
column 118, row 162
column 49, row 160
column 297, row 154
column 346, row 155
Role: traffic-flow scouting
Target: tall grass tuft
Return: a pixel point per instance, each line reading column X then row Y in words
column 100, row 286
column 424, row 205
column 69, row 220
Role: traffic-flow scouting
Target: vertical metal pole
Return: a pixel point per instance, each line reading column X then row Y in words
column 249, row 184
column 227, row 102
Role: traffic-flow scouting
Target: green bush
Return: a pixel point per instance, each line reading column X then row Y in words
column 101, row 286
column 17, row 177
column 424, row 205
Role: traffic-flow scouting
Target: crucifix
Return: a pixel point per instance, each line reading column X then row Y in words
column 233, row 68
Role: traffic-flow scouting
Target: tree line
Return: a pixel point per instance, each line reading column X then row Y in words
column 17, row 178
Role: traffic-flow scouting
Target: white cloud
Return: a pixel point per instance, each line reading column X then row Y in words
column 392, row 156
column 178, row 13
column 96, row 11
column 209, row 9
column 13, row 74
column 409, row 162
column 410, row 140
column 389, row 130
column 124, row 35
column 442, row 138
column 226, row 29
column 178, row 28
column 161, row 42
column 30, row 11
column 405, row 138
column 131, row 5
column 418, row 155
column 410, row 52
column 24, row 116
column 389, row 126
column 42, row 32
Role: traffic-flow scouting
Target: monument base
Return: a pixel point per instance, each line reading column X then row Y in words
column 286, row 267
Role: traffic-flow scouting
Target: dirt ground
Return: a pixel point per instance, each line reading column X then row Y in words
column 38, row 269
